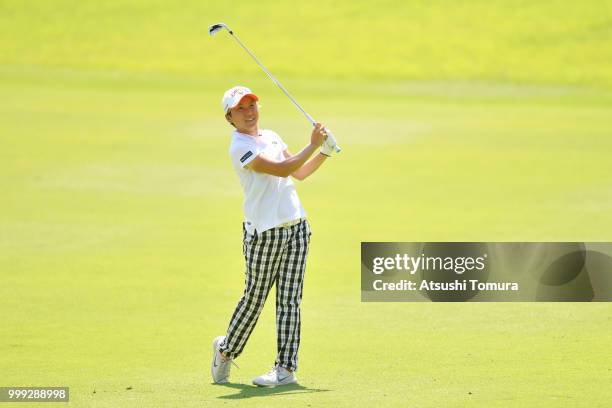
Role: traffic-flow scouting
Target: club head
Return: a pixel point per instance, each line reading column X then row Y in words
column 213, row 29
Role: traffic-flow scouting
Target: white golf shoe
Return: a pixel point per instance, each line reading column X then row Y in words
column 220, row 366
column 277, row 376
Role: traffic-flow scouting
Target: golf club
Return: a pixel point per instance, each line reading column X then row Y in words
column 213, row 29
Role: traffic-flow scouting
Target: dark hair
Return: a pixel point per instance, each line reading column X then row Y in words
column 228, row 115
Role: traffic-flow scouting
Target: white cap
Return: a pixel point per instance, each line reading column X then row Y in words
column 233, row 96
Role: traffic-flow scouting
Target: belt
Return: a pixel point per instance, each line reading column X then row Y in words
column 291, row 223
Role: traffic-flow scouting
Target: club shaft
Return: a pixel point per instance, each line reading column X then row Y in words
column 310, row 119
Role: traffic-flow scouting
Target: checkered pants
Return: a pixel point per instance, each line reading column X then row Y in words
column 276, row 256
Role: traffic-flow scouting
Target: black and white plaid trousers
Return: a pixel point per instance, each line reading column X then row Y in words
column 277, row 255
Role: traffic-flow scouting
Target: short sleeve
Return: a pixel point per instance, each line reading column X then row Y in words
column 243, row 153
column 281, row 141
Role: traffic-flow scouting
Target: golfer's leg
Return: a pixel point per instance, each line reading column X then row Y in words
column 289, row 283
column 262, row 258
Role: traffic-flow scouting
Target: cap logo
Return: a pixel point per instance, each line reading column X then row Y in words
column 239, row 91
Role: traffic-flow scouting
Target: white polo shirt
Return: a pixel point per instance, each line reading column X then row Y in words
column 269, row 201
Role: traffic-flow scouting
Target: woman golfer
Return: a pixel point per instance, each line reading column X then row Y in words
column 275, row 235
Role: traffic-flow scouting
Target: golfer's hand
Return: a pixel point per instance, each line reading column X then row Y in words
column 317, row 137
column 329, row 146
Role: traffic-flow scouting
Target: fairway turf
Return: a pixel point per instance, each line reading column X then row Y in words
column 549, row 41
column 120, row 235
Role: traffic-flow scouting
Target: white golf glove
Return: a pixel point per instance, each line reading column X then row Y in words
column 329, row 146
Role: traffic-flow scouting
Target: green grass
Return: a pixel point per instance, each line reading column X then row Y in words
column 120, row 251
column 549, row 41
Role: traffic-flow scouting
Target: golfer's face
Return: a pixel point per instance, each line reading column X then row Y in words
column 245, row 115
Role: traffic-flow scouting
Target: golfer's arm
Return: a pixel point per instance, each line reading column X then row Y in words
column 309, row 167
column 284, row 168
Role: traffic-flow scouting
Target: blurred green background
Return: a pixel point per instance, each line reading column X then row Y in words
column 120, row 235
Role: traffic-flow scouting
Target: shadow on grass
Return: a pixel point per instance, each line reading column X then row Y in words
column 251, row 391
